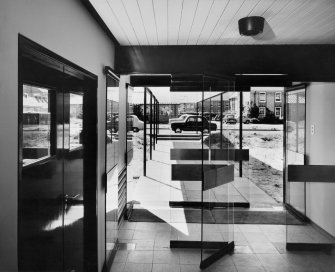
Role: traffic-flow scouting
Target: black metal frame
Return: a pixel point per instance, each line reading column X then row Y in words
column 287, row 205
column 153, row 125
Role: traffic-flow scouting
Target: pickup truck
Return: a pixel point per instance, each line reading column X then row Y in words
column 193, row 123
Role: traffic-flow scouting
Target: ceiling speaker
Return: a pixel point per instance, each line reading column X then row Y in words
column 251, row 26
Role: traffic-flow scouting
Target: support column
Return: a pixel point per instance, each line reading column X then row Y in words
column 145, row 135
column 221, row 107
column 240, row 133
column 150, row 120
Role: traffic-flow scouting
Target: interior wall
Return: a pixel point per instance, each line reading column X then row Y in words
column 66, row 28
column 320, row 150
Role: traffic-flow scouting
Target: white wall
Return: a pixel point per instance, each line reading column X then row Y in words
column 66, row 28
column 320, row 150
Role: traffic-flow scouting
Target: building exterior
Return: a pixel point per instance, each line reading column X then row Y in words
column 269, row 100
column 186, row 107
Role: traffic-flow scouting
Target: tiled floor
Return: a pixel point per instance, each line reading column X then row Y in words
column 258, row 248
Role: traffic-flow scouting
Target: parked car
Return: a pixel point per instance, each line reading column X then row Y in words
column 229, row 119
column 133, row 123
column 180, row 118
column 193, row 123
column 245, row 119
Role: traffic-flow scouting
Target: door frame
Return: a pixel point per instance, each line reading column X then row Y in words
column 44, row 55
column 109, row 72
column 287, row 205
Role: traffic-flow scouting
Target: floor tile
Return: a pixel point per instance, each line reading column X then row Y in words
column 117, row 267
column 166, row 257
column 242, row 250
column 135, row 267
column 125, row 234
column 121, row 256
column 144, row 244
column 190, row 268
column 190, row 257
column 165, row 268
column 241, row 260
column 272, row 260
column 250, row 269
column 143, row 257
column 263, row 248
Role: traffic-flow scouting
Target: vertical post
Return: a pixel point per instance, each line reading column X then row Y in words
column 240, row 133
column 157, row 124
column 154, row 120
column 150, row 126
column 221, row 107
column 158, row 112
column 145, row 134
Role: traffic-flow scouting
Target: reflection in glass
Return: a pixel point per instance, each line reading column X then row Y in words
column 295, row 145
column 76, row 120
column 112, row 123
column 112, row 171
column 36, row 124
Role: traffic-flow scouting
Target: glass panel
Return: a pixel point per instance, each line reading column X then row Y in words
column 36, row 124
column 112, row 128
column 218, row 168
column 76, row 120
column 40, row 229
column 112, row 125
column 295, row 146
column 135, row 143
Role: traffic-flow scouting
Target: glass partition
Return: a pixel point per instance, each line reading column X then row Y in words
column 301, row 233
column 217, row 228
column 295, row 146
column 112, row 145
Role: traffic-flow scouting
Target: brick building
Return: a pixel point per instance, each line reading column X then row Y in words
column 268, row 100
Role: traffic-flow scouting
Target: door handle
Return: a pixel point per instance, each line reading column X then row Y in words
column 68, row 198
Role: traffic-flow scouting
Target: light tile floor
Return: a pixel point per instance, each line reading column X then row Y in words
column 258, row 248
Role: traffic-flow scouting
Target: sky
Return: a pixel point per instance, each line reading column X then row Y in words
column 164, row 95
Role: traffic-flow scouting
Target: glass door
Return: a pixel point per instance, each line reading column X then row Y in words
column 217, row 218
column 57, row 164
column 295, row 102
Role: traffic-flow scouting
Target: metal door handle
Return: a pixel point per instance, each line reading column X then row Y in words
column 67, row 197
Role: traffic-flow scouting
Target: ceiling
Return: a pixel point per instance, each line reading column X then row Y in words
column 215, row 22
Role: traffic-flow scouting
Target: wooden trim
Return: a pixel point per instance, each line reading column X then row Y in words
column 192, row 172
column 197, row 244
column 207, row 205
column 311, row 173
column 216, row 154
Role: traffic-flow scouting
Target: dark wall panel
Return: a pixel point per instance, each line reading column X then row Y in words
column 300, row 62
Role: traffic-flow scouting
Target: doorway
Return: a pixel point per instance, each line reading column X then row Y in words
column 57, row 163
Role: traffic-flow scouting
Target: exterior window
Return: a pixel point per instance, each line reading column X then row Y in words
column 76, row 120
column 278, row 97
column 262, row 111
column 36, row 124
column 262, row 97
column 278, row 112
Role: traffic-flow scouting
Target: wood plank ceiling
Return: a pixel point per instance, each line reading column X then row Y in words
column 215, row 22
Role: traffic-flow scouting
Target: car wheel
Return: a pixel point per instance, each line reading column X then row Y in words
column 205, row 130
column 247, row 122
column 135, row 129
column 177, row 130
